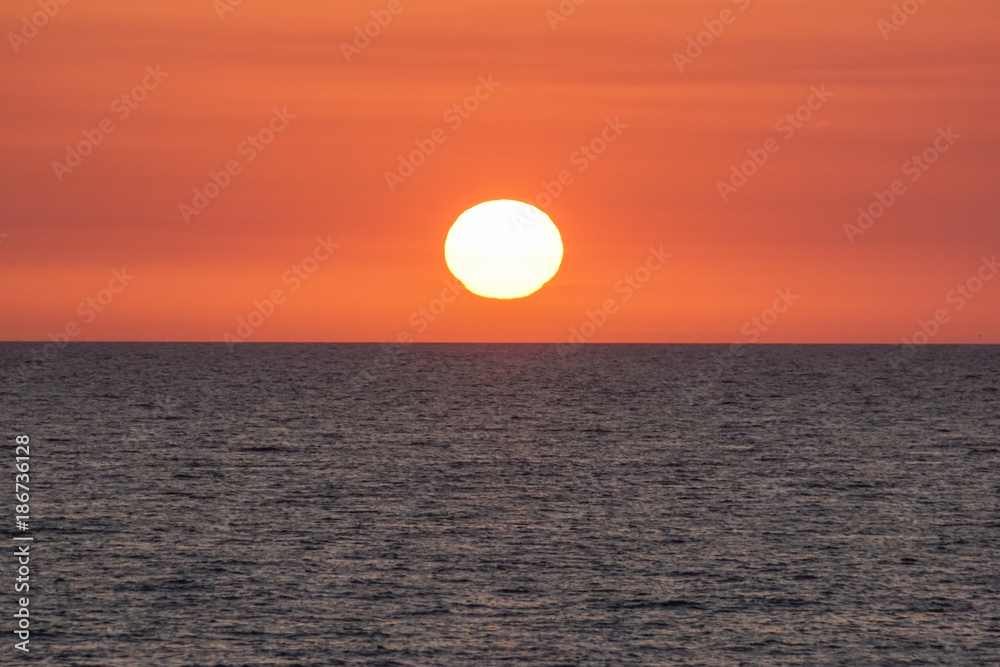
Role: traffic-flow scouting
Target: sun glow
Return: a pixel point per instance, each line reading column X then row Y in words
column 503, row 249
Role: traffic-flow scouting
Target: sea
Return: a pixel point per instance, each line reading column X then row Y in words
column 201, row 504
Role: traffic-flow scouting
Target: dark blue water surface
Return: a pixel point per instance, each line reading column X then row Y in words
column 507, row 504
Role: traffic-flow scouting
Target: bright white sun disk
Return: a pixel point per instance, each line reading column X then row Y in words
column 503, row 249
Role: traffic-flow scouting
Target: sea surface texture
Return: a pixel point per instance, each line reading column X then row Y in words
column 507, row 504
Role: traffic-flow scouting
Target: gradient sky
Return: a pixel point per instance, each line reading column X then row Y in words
column 323, row 176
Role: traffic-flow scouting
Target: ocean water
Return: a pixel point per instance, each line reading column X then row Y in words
column 507, row 504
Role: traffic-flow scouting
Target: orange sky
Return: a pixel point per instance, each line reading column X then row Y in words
column 323, row 176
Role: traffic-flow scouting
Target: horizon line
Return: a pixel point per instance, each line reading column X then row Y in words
column 387, row 342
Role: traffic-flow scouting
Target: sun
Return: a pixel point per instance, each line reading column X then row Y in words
column 503, row 249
